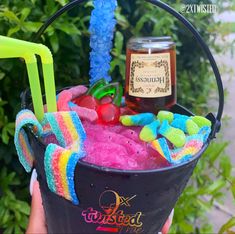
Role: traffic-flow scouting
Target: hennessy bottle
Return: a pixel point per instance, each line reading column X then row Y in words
column 150, row 74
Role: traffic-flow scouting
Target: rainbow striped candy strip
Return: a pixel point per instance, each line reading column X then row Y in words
column 193, row 144
column 161, row 146
column 67, row 128
column 25, row 153
column 60, row 159
column 60, row 166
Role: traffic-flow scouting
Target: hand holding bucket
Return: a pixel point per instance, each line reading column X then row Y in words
column 143, row 199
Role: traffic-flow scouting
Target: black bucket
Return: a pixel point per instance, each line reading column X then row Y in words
column 117, row 200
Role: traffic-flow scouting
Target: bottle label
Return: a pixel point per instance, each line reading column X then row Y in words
column 150, row 75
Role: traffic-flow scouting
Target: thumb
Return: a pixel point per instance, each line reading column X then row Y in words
column 37, row 222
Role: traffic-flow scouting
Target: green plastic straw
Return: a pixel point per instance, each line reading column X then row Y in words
column 13, row 48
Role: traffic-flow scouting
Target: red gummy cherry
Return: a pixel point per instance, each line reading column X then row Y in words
column 106, row 99
column 108, row 113
column 87, row 101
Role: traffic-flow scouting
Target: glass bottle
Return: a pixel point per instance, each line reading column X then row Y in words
column 150, row 74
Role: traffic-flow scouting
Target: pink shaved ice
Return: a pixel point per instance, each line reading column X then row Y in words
column 118, row 147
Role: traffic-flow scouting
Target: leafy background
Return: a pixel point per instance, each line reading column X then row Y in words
column 68, row 39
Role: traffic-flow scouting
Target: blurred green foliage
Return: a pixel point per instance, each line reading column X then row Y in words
column 68, row 38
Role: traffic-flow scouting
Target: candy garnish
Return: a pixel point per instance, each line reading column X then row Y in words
column 205, row 131
column 65, row 98
column 114, row 89
column 174, row 135
column 179, row 123
column 201, row 121
column 25, row 153
column 101, row 28
column 191, row 127
column 96, row 86
column 161, row 146
column 137, row 120
column 108, row 113
column 193, row 144
column 87, row 101
column 149, row 131
column 165, row 115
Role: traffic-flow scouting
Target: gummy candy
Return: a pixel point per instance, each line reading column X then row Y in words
column 22, row 144
column 114, row 89
column 63, row 99
column 62, row 164
column 138, row 119
column 205, row 131
column 59, row 166
column 64, row 103
column 96, row 85
column 174, row 135
column 193, row 145
column 191, row 127
column 201, row 121
column 87, row 101
column 149, row 131
column 84, row 113
column 165, row 115
column 108, row 113
column 176, row 116
column 78, row 90
column 179, row 123
column 157, row 158
column 51, row 150
column 161, row 146
column 106, row 99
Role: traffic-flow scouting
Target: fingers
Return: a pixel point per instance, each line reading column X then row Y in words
column 168, row 223
column 37, row 223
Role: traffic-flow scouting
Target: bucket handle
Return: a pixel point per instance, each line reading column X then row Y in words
column 189, row 26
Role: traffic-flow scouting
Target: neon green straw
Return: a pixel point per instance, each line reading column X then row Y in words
column 35, row 88
column 12, row 48
column 32, row 70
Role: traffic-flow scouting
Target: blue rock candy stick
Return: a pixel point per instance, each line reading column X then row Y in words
column 149, row 131
column 102, row 25
column 165, row 115
column 174, row 135
column 137, row 120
